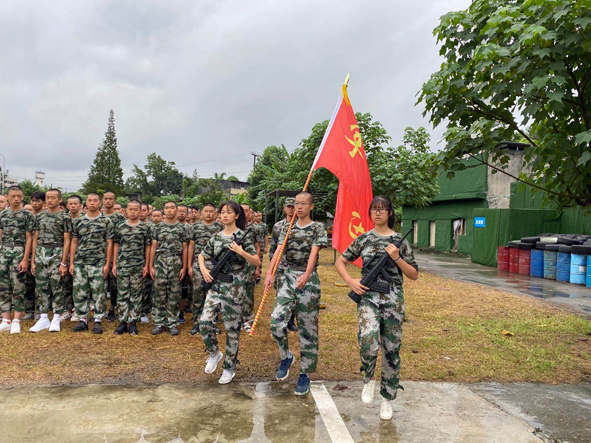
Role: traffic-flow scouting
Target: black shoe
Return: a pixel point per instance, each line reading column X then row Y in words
column 121, row 329
column 132, row 328
column 97, row 328
column 173, row 331
column 291, row 324
column 157, row 330
column 82, row 326
column 182, row 317
column 188, row 309
column 195, row 330
column 111, row 315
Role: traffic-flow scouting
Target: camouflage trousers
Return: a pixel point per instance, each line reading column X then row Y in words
column 228, row 299
column 187, row 290
column 380, row 326
column 89, row 286
column 129, row 298
column 147, row 292
column 199, row 293
column 248, row 313
column 278, row 278
column 49, row 288
column 30, row 284
column 305, row 303
column 111, row 288
column 68, row 292
column 12, row 283
column 166, row 302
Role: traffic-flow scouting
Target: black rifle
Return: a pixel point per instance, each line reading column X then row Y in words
column 218, row 265
column 370, row 273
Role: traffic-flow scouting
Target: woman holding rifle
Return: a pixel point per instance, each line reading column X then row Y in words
column 380, row 314
column 228, row 296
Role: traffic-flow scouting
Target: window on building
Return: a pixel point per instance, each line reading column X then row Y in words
column 432, row 233
column 415, row 233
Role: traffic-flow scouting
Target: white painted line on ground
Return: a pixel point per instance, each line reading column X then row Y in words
column 330, row 415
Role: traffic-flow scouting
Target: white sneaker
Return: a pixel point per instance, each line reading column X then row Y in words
column 145, row 320
column 227, row 376
column 386, row 409
column 42, row 323
column 74, row 318
column 5, row 325
column 65, row 316
column 212, row 362
column 368, row 390
column 55, row 323
column 247, row 326
column 15, row 327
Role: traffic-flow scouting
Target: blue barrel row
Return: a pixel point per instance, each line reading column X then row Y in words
column 578, row 269
column 561, row 266
column 536, row 267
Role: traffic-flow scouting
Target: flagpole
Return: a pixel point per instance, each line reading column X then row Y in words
column 282, row 247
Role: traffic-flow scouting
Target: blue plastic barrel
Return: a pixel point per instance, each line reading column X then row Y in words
column 578, row 268
column 550, row 265
column 536, row 267
column 589, row 271
column 563, row 266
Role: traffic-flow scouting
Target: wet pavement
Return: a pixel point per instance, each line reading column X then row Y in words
column 265, row 412
column 459, row 267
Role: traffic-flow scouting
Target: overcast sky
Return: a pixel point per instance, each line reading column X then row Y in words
column 202, row 83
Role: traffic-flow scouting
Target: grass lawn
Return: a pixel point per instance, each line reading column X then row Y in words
column 454, row 331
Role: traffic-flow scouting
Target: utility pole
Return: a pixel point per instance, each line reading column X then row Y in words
column 255, row 156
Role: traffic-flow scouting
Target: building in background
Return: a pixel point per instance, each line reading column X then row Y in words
column 234, row 187
column 39, row 178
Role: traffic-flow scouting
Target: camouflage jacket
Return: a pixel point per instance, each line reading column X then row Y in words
column 116, row 218
column 92, row 235
column 170, row 238
column 299, row 245
column 275, row 233
column 219, row 243
column 132, row 242
column 15, row 225
column 200, row 233
column 52, row 227
column 370, row 244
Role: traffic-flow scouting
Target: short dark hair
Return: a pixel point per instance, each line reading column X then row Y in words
column 209, row 204
column 142, row 204
column 171, row 201
column 15, row 188
column 76, row 196
column 62, row 204
column 159, row 210
column 110, row 192
column 38, row 195
column 182, row 206
column 309, row 196
column 135, row 201
column 93, row 193
column 59, row 193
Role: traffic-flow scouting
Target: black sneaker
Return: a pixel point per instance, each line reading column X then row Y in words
column 173, row 331
column 195, row 330
column 97, row 328
column 182, row 317
column 111, row 315
column 82, row 326
column 121, row 329
column 303, row 386
column 291, row 325
column 132, row 328
column 157, row 330
column 188, row 309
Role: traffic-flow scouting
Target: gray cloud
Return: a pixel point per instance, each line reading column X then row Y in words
column 201, row 83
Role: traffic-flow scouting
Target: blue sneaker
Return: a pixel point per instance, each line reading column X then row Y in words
column 283, row 371
column 303, row 386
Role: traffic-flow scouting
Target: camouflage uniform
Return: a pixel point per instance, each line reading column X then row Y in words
column 50, row 290
column 304, row 302
column 381, row 314
column 131, row 260
column 200, row 233
column 89, row 261
column 227, row 298
column 255, row 236
column 148, row 283
column 69, row 282
column 111, row 283
column 14, row 226
column 168, row 263
column 276, row 232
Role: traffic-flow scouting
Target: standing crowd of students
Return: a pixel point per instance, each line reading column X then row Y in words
column 72, row 258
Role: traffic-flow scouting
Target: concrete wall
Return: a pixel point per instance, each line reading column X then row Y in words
column 499, row 184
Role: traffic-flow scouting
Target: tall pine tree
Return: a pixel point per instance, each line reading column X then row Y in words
column 106, row 174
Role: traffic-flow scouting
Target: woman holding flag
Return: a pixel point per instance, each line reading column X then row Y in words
column 380, row 315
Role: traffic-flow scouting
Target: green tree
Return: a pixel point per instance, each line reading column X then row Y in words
column 106, row 174
column 158, row 178
column 233, row 178
column 211, row 191
column 28, row 188
column 512, row 69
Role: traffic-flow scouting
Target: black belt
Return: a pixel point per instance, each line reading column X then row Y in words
column 298, row 268
column 51, row 246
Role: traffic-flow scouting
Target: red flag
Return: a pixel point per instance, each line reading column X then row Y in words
column 342, row 153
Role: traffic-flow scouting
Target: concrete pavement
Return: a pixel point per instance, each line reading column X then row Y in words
column 459, row 267
column 260, row 412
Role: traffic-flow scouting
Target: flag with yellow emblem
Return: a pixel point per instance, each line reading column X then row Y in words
column 342, row 153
